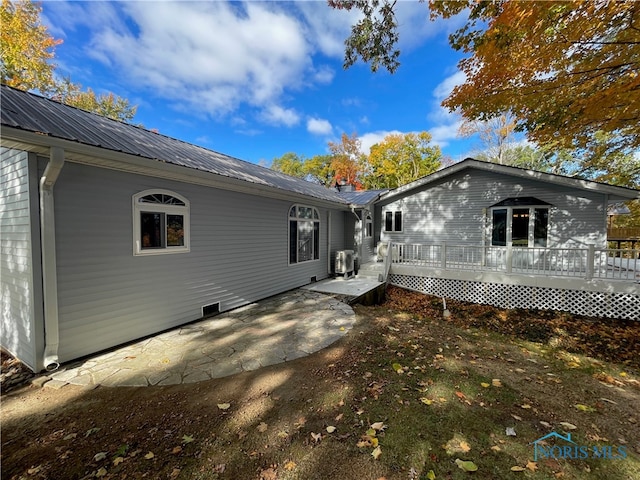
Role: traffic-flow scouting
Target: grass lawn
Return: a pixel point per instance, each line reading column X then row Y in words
column 405, row 395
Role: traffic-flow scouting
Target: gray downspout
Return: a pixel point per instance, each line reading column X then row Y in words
column 49, row 271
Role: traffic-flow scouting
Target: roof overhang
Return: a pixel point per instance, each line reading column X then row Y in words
column 99, row 157
column 615, row 193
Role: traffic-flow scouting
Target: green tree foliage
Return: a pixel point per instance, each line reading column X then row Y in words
column 319, row 169
column 26, row 54
column 291, row 164
column 374, row 37
column 397, row 160
column 400, row 159
column 316, row 169
column 106, row 104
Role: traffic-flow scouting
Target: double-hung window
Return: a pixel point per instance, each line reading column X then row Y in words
column 160, row 223
column 304, row 234
column 393, row 221
column 520, row 222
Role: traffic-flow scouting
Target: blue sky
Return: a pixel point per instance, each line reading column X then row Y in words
column 258, row 79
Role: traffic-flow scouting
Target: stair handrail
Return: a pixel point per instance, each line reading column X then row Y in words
column 387, row 262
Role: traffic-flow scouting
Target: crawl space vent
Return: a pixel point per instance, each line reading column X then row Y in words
column 210, row 310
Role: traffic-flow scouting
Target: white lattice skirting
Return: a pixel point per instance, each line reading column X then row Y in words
column 594, row 304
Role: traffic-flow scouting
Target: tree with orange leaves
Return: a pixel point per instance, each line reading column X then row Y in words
column 569, row 71
column 347, row 160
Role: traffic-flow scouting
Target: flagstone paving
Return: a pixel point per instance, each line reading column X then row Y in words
column 275, row 330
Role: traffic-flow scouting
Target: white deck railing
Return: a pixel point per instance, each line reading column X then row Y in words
column 587, row 263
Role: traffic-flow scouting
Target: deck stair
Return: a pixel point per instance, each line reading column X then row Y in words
column 373, row 270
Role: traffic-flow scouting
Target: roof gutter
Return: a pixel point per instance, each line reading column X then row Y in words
column 49, row 270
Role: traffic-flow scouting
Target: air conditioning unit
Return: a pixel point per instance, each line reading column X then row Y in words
column 344, row 262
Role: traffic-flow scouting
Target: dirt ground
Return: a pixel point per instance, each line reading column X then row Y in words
column 307, row 418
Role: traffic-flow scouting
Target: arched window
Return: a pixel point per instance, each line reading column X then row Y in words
column 160, row 223
column 368, row 225
column 304, row 234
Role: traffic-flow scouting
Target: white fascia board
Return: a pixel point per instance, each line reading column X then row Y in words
column 614, row 192
column 99, row 157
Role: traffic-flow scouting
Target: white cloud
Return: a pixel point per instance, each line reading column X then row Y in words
column 370, row 139
column 445, row 124
column 442, row 135
column 319, row 126
column 444, row 88
column 276, row 115
column 328, row 27
column 209, row 58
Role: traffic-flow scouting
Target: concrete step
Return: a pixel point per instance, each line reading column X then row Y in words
column 371, row 270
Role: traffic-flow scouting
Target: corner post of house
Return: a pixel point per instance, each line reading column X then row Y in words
column 509, row 259
column 591, row 257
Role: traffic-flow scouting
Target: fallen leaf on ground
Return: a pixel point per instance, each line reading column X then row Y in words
column 485, row 385
column 100, row 456
column 331, row 429
column 290, row 465
column 187, row 439
column 568, row 426
column 269, row 474
column 510, row 431
column 149, row 456
column 533, row 466
column 117, row 461
column 376, row 452
column 496, row 382
column 466, row 465
column 224, row 406
column 262, row 427
column 378, row 426
column 316, row 436
column 518, row 468
column 584, row 408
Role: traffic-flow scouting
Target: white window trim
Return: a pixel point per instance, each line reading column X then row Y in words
column 315, row 219
column 139, row 208
column 368, row 222
column 393, row 220
column 531, row 227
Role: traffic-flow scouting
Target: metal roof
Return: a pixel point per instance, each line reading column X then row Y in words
column 33, row 113
column 362, row 197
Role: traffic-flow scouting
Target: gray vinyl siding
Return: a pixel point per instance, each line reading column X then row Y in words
column 338, row 236
column 107, row 296
column 452, row 210
column 20, row 277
